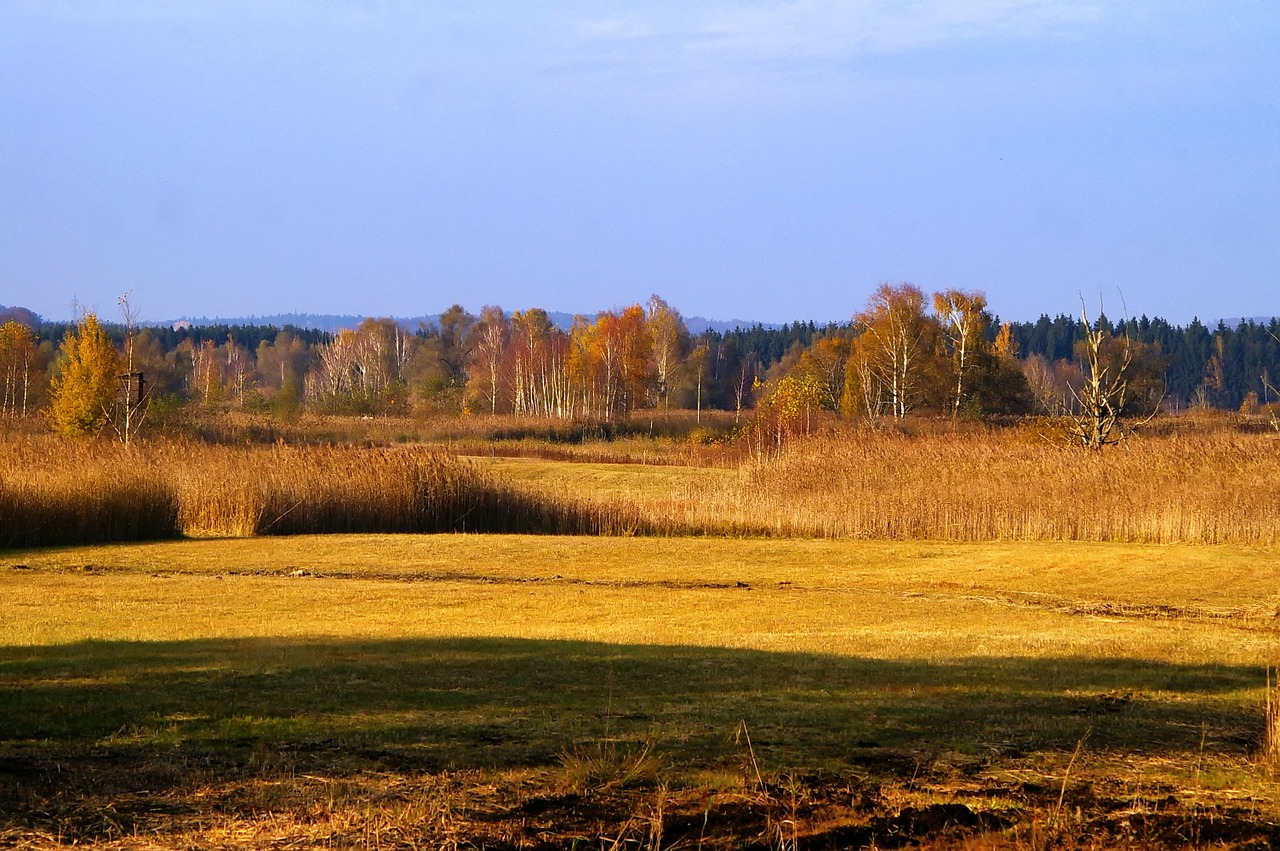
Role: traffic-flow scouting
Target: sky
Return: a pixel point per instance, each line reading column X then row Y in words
column 755, row 160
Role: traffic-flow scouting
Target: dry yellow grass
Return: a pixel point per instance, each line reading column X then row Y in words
column 309, row 689
column 1213, row 487
column 883, row 599
column 930, row 641
column 65, row 492
column 1185, row 486
column 645, row 486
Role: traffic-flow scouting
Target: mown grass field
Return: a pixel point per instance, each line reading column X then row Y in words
column 540, row 691
column 639, row 483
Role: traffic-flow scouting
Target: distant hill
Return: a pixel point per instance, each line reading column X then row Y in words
column 1237, row 321
column 332, row 322
column 698, row 324
column 20, row 315
column 311, row 321
column 336, row 322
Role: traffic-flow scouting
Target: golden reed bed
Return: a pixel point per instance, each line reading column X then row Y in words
column 69, row 492
column 1219, row 487
column 1199, row 486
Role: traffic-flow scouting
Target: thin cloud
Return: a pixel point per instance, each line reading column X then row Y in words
column 814, row 26
column 623, row 28
column 828, row 28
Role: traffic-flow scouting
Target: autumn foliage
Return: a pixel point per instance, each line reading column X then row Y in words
column 83, row 388
column 601, row 369
column 894, row 359
column 17, row 369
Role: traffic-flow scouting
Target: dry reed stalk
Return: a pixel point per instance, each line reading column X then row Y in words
column 1270, row 750
column 1213, row 488
column 54, row 492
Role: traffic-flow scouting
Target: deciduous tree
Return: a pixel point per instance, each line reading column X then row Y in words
column 826, row 361
column 864, row 394
column 670, row 340
column 132, row 396
column 894, row 324
column 531, row 333
column 455, row 329
column 963, row 319
column 17, row 366
column 206, row 374
column 487, row 366
column 83, row 387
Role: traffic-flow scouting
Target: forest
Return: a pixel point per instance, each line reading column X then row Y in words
column 904, row 352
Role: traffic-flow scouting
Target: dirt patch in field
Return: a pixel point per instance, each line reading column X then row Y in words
column 1254, row 618
column 307, row 797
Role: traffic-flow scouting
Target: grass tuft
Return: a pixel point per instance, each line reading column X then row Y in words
column 608, row 764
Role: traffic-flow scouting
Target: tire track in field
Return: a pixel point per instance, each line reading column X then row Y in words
column 1252, row 619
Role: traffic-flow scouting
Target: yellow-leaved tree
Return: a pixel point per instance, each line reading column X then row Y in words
column 83, row 387
column 17, row 364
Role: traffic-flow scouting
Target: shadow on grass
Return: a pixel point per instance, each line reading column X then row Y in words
column 493, row 703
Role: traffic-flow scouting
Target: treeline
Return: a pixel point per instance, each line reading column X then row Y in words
column 495, row 362
column 903, row 352
column 1224, row 367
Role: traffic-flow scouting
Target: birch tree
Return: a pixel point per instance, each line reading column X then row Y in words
column 963, row 320
column 486, row 365
column 893, row 325
column 17, row 365
column 670, row 339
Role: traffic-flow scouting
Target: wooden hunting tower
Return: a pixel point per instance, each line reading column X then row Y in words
column 131, row 388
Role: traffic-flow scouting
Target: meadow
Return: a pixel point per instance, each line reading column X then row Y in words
column 837, row 648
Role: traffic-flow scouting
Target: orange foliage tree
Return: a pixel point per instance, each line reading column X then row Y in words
column 624, row 352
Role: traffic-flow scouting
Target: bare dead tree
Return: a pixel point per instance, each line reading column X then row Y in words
column 132, row 396
column 1269, row 388
column 1103, row 393
column 748, row 368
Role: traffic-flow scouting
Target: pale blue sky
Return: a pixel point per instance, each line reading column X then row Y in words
column 758, row 160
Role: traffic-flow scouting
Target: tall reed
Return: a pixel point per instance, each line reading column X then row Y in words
column 55, row 492
column 1216, row 487
column 1269, row 751
column 290, row 490
column 1209, row 486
